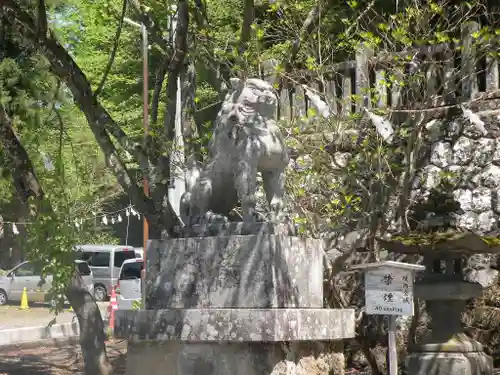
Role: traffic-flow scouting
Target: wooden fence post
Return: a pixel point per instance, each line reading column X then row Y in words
column 363, row 54
column 491, row 73
column 381, row 87
column 346, row 93
column 396, row 88
column 449, row 76
column 468, row 73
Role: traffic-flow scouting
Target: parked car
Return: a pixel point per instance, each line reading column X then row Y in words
column 27, row 275
column 105, row 262
column 129, row 286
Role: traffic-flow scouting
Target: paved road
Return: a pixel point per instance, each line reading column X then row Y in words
column 37, row 316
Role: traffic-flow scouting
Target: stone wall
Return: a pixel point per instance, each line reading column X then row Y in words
column 464, row 164
column 470, row 162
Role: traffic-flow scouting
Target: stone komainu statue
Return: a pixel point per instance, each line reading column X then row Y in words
column 246, row 140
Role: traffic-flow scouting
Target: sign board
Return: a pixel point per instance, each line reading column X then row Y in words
column 389, row 291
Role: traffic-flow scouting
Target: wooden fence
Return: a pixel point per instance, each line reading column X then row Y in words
column 448, row 75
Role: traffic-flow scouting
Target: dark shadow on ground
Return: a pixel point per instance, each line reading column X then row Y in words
column 54, row 360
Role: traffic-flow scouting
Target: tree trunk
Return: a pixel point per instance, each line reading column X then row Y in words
column 27, row 185
column 92, row 336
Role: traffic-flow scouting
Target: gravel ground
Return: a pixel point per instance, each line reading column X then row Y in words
column 48, row 360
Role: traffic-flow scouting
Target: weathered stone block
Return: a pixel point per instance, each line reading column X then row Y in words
column 260, row 270
column 177, row 358
column 235, row 325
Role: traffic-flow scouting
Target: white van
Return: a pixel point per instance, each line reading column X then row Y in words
column 105, row 262
column 129, row 287
column 27, row 275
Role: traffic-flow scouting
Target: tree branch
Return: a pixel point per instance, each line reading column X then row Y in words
column 176, row 66
column 41, row 19
column 23, row 174
column 309, row 25
column 154, row 30
column 100, row 122
column 246, row 28
column 113, row 51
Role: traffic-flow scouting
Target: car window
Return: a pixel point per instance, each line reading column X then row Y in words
column 27, row 269
column 131, row 270
column 100, row 259
column 83, row 268
column 85, row 256
column 121, row 256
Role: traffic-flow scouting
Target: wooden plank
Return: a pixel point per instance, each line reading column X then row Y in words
column 346, row 93
column 381, row 88
column 362, row 80
column 396, row 88
column 469, row 55
column 491, row 73
column 299, row 102
column 331, row 95
column 431, row 89
column 449, row 77
column 285, row 110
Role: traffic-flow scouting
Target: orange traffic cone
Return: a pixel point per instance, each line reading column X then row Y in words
column 113, row 305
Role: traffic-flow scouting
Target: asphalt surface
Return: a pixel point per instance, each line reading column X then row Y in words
column 36, row 316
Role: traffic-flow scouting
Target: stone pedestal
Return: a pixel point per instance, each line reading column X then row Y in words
column 234, row 304
column 446, row 350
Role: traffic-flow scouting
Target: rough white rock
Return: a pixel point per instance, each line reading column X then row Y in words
column 481, row 199
column 467, row 221
column 431, row 176
column 464, row 198
column 441, row 154
column 454, row 128
column 341, row 159
column 496, row 153
column 490, row 176
column 485, row 221
column 484, row 150
column 462, row 151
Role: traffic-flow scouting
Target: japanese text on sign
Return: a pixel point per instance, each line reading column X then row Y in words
column 389, row 291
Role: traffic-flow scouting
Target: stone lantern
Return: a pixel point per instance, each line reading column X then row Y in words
column 445, row 349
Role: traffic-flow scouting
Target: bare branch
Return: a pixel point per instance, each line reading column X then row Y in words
column 113, row 51
column 246, row 28
column 310, row 23
column 176, row 66
column 154, row 30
